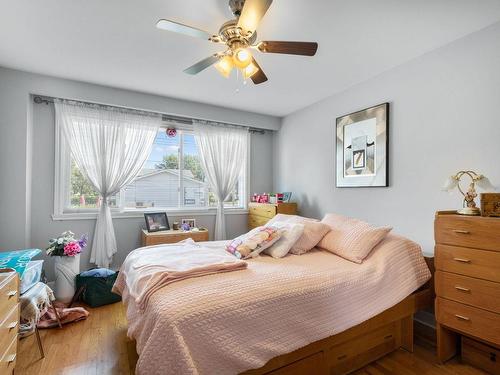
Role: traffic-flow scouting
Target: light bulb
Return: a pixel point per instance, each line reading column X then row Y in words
column 242, row 58
column 250, row 70
column 224, row 66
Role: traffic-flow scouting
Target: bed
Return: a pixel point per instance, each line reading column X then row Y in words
column 300, row 314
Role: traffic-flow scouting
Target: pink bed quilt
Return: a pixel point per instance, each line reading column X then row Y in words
column 232, row 322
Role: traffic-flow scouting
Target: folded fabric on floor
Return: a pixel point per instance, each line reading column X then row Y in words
column 66, row 315
column 149, row 269
column 98, row 272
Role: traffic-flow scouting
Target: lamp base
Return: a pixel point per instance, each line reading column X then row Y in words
column 470, row 211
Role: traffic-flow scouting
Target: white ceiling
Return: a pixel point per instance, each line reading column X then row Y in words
column 115, row 43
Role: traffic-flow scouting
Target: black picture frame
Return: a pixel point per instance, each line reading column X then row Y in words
column 156, row 221
column 380, row 160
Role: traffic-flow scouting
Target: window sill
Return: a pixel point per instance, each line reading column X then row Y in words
column 132, row 214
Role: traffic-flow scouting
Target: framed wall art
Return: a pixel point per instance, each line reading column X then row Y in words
column 362, row 148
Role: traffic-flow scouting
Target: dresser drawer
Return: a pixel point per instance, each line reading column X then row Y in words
column 476, row 232
column 8, row 361
column 9, row 296
column 256, row 221
column 264, row 210
column 474, row 292
column 9, row 328
column 480, row 355
column 470, row 262
column 469, row 320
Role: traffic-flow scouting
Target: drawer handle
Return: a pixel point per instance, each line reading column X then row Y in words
column 460, row 231
column 11, row 358
column 12, row 325
column 387, row 337
column 462, row 260
column 12, row 293
column 462, row 289
column 342, row 356
column 461, row 317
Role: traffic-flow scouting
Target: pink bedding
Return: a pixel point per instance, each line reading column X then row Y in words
column 232, row 322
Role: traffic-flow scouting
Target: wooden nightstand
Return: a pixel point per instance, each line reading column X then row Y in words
column 260, row 213
column 171, row 236
column 9, row 319
column 467, row 282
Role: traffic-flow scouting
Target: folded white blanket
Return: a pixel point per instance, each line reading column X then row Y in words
column 149, row 269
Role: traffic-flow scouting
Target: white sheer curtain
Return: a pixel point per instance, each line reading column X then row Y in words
column 223, row 153
column 109, row 146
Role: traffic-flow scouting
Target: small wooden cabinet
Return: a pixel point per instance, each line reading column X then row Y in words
column 9, row 320
column 171, row 236
column 260, row 213
column 467, row 283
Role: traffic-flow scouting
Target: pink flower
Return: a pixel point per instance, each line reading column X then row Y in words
column 72, row 248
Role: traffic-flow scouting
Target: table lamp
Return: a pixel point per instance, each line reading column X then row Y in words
column 469, row 205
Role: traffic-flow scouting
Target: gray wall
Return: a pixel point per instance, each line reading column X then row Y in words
column 27, row 158
column 443, row 119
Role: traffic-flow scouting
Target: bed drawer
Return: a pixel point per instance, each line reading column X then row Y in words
column 8, row 329
column 470, row 262
column 358, row 352
column 8, row 361
column 256, row 221
column 481, row 233
column 264, row 210
column 309, row 365
column 474, row 292
column 469, row 320
column 9, row 296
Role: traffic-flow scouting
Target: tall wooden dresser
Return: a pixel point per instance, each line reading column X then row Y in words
column 260, row 213
column 9, row 319
column 467, row 282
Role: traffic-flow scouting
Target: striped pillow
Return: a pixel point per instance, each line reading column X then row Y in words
column 350, row 238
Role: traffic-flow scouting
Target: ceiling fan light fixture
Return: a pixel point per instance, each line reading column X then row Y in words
column 242, row 58
column 250, row 70
column 224, row 66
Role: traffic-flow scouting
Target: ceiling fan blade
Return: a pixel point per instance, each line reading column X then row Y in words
column 260, row 76
column 180, row 28
column 252, row 13
column 202, row 65
column 290, row 48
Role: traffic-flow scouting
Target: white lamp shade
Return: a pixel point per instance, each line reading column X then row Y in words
column 450, row 184
column 485, row 184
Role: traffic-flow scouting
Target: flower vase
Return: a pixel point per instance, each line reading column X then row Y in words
column 66, row 268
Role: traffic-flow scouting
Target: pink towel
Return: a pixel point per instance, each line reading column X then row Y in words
column 66, row 315
column 151, row 268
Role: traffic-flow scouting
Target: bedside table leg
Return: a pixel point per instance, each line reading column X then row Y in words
column 447, row 342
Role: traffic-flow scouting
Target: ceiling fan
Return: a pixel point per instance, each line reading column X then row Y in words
column 240, row 36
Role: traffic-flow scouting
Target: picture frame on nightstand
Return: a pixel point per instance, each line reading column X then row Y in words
column 156, row 221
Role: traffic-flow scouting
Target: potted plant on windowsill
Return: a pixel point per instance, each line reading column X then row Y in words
column 66, row 252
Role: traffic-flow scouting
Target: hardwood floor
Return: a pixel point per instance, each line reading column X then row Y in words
column 98, row 346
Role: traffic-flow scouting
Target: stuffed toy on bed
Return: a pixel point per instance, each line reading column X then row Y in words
column 254, row 242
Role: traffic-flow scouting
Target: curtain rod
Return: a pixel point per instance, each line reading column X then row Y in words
column 38, row 99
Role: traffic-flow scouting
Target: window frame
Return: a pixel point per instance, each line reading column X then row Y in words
column 62, row 172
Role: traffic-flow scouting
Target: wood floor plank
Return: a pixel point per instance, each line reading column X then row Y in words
column 99, row 346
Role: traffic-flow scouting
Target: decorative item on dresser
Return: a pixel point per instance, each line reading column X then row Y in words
column 260, row 213
column 469, row 205
column 9, row 319
column 467, row 282
column 490, row 204
column 172, row 236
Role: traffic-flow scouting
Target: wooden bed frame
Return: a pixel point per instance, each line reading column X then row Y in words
column 356, row 347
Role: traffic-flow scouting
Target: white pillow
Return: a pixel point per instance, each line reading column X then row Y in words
column 284, row 218
column 290, row 234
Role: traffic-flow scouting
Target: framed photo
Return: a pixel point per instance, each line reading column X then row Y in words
column 362, row 148
column 156, row 221
column 190, row 222
column 287, row 195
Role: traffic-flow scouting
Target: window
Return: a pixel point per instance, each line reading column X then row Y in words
column 162, row 183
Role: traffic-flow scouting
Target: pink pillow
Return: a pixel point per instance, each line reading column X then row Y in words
column 350, row 238
column 313, row 232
